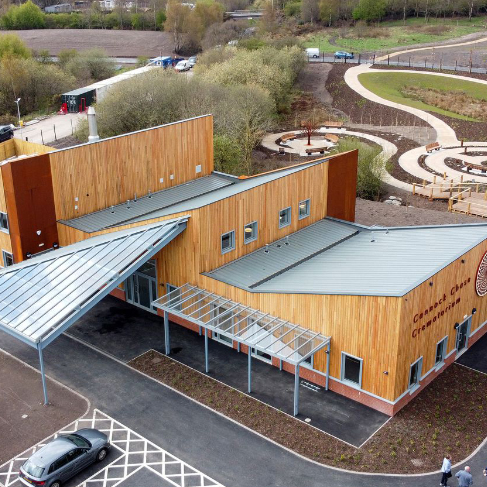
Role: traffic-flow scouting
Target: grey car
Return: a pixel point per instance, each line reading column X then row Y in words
column 64, row 457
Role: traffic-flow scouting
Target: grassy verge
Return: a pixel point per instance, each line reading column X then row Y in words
column 391, row 86
column 450, row 415
column 390, row 35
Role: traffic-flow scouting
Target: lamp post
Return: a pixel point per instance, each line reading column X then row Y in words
column 18, row 113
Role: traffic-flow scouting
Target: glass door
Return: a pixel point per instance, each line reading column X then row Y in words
column 141, row 287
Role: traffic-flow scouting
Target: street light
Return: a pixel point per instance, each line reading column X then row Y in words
column 18, row 113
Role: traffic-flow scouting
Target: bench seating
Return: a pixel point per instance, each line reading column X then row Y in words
column 287, row 137
column 479, row 167
column 332, row 124
column 312, row 150
column 332, row 138
column 433, row 146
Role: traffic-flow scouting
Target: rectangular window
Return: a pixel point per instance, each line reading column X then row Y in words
column 3, row 222
column 265, row 357
column 223, row 320
column 415, row 373
column 285, row 217
column 250, row 232
column 441, row 351
column 303, row 209
column 228, row 242
column 8, row 258
column 352, row 369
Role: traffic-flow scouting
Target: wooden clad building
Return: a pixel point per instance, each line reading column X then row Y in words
column 399, row 304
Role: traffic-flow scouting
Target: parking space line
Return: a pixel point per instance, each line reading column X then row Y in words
column 136, row 451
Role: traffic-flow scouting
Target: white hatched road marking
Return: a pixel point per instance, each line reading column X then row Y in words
column 136, row 453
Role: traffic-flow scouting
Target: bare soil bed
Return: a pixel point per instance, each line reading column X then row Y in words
column 24, row 420
column 116, row 43
column 413, row 441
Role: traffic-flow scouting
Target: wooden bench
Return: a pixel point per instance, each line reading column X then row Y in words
column 286, row 137
column 332, row 138
column 332, row 124
column 479, row 167
column 432, row 147
column 321, row 150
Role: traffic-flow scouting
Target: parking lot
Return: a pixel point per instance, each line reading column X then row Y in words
column 132, row 461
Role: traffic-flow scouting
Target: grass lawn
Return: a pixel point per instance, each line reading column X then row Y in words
column 394, row 34
column 390, row 86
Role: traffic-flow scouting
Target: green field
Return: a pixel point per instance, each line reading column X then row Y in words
column 390, row 86
column 394, row 34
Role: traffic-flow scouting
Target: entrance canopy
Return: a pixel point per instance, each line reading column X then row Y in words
column 40, row 298
column 268, row 334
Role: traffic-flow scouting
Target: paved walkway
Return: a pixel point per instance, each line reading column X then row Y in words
column 50, row 129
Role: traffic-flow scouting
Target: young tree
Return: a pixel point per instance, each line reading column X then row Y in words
column 370, row 10
column 310, row 10
column 176, row 21
column 25, row 16
column 12, row 46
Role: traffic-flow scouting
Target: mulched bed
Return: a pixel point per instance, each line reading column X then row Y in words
column 438, row 420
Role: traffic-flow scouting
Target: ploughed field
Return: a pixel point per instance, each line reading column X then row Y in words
column 116, row 43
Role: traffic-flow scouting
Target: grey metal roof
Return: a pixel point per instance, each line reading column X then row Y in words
column 41, row 297
column 375, row 261
column 226, row 192
column 126, row 212
column 267, row 262
column 79, row 91
column 269, row 334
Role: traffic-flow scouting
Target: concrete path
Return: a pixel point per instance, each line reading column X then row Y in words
column 50, row 129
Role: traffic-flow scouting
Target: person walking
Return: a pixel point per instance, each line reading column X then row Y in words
column 464, row 477
column 445, row 470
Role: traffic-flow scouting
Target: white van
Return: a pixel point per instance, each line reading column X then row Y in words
column 313, row 52
column 183, row 66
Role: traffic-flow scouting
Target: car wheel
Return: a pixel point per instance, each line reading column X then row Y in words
column 101, row 455
column 56, row 483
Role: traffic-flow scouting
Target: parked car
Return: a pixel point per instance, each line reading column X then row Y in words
column 192, row 61
column 64, row 457
column 343, row 55
column 313, row 52
column 182, row 66
column 6, row 132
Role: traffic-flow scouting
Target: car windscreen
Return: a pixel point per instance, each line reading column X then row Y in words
column 78, row 440
column 32, row 469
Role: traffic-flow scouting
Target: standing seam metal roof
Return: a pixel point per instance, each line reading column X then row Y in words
column 122, row 213
column 374, row 261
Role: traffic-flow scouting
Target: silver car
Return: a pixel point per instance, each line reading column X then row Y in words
column 64, row 457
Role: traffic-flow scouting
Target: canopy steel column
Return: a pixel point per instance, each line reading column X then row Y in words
column 327, row 365
column 249, row 379
column 206, row 351
column 296, row 390
column 167, row 344
column 43, row 376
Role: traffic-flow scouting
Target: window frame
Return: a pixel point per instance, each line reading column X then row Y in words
column 415, row 386
column 4, row 253
column 342, row 372
column 444, row 343
column 170, row 288
column 288, row 211
column 232, row 247
column 308, row 209
column 2, row 228
column 255, row 229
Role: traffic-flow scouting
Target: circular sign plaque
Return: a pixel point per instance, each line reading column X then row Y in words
column 481, row 280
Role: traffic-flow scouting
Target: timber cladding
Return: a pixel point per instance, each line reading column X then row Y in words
column 94, row 176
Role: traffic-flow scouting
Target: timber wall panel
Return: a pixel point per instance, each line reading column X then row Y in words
column 23, row 147
column 423, row 297
column 112, row 171
column 7, row 149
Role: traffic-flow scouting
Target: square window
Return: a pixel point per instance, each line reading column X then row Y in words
column 303, row 209
column 352, row 369
column 8, row 258
column 250, row 232
column 415, row 373
column 228, row 242
column 285, row 217
column 3, row 222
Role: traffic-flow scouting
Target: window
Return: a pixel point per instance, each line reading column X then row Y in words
column 8, row 258
column 415, row 374
column 3, row 222
column 169, row 289
column 226, row 321
column 60, row 463
column 265, row 357
column 352, row 369
column 441, row 351
column 250, row 232
column 285, row 217
column 228, row 242
column 309, row 362
column 303, row 209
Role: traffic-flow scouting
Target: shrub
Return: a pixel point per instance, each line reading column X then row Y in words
column 25, row 16
column 11, row 45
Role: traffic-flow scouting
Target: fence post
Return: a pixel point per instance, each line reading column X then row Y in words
column 441, row 62
column 388, row 60
column 425, row 62
column 409, row 61
column 42, row 137
column 456, row 62
column 359, row 58
column 373, row 60
column 55, row 136
column 72, row 130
